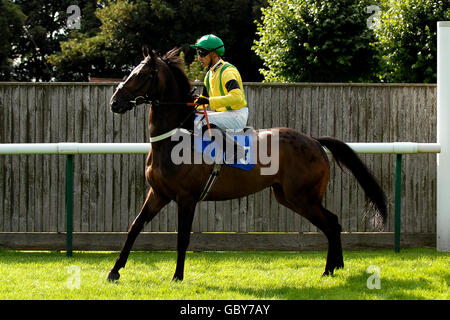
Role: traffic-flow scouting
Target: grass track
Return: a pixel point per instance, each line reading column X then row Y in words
column 411, row 274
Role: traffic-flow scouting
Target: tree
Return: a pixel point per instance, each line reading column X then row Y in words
column 43, row 28
column 407, row 37
column 194, row 71
column 11, row 22
column 316, row 40
column 100, row 53
column 161, row 24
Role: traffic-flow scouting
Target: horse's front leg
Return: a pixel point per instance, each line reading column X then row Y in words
column 152, row 205
column 186, row 209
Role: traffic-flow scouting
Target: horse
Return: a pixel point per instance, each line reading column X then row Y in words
column 299, row 183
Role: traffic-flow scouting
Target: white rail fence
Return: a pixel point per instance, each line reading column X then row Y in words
column 71, row 148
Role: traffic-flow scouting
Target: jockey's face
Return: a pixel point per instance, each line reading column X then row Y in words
column 205, row 60
column 208, row 59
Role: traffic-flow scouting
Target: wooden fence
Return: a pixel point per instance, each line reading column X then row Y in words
column 109, row 189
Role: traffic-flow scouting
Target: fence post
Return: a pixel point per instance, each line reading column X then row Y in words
column 69, row 203
column 443, row 137
column 398, row 202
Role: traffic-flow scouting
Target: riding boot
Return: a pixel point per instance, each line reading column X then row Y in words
column 238, row 151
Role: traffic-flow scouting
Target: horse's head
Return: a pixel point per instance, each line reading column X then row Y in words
column 137, row 87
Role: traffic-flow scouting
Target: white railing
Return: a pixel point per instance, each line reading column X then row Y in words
column 137, row 148
column 71, row 148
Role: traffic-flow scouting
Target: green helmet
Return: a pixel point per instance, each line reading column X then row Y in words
column 212, row 43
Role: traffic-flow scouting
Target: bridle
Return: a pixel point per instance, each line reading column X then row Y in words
column 147, row 99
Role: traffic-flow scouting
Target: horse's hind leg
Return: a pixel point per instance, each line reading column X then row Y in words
column 328, row 223
column 152, row 205
column 323, row 219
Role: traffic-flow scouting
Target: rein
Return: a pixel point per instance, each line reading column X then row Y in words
column 172, row 132
column 146, row 99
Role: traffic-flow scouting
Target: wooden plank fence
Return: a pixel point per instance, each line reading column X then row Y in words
column 109, row 189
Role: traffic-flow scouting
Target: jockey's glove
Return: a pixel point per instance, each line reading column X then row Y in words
column 202, row 100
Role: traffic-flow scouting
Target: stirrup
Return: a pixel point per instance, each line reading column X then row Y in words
column 210, row 182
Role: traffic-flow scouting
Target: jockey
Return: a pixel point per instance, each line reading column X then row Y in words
column 223, row 92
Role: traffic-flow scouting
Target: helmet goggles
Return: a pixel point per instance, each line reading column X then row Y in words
column 202, row 52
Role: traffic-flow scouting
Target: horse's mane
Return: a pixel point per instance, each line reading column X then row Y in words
column 176, row 65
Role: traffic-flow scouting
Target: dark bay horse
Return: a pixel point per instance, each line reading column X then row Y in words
column 299, row 183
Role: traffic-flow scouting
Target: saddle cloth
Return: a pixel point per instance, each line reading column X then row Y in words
column 208, row 147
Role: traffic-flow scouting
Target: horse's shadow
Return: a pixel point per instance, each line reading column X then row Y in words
column 354, row 287
column 389, row 290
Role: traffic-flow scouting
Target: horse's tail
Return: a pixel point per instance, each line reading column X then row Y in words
column 375, row 196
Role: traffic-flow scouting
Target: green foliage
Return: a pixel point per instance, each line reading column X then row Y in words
column 43, row 29
column 161, row 24
column 11, row 22
column 194, row 71
column 297, row 40
column 407, row 37
column 313, row 40
column 101, row 53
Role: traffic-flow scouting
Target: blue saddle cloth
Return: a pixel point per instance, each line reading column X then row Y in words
column 244, row 138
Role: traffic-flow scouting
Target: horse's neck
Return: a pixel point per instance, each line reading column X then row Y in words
column 166, row 117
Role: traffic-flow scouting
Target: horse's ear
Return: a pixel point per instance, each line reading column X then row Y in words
column 145, row 51
column 152, row 54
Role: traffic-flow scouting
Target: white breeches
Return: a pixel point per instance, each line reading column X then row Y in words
column 233, row 119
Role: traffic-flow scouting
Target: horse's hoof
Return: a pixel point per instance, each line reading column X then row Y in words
column 113, row 276
column 327, row 273
column 177, row 279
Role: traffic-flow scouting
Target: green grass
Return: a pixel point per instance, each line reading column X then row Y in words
column 411, row 274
